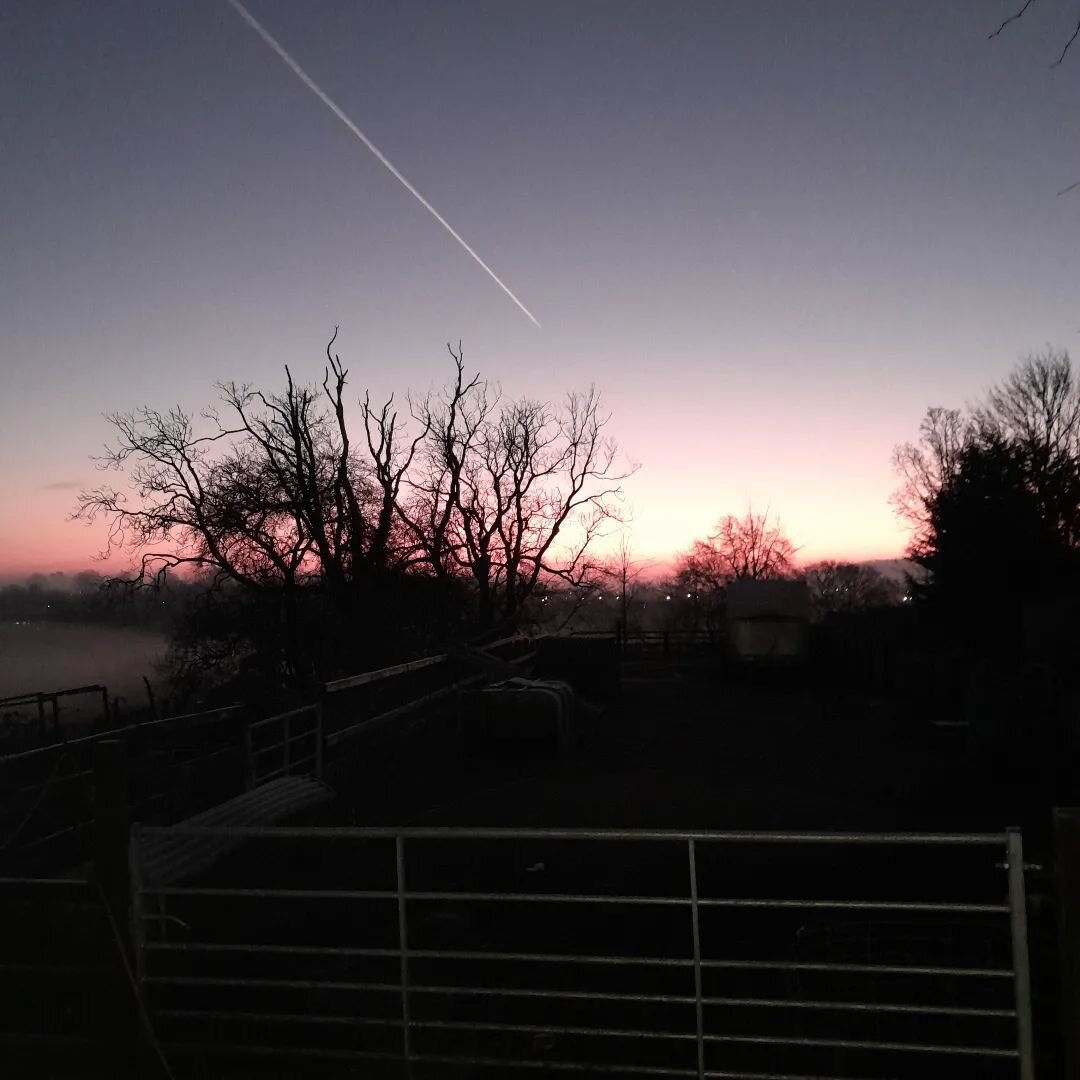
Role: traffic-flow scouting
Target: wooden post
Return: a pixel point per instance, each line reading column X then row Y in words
column 105, row 708
column 1067, row 884
column 55, row 701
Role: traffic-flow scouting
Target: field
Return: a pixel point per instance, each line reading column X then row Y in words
column 707, row 752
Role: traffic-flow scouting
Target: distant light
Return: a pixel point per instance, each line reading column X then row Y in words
column 667, row 597
column 687, row 596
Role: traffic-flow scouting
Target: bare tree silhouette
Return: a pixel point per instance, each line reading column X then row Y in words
column 1033, row 416
column 926, row 467
column 511, row 493
column 271, row 491
column 753, row 546
column 624, row 571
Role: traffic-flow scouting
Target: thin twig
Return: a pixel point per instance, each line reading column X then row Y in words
column 1075, row 34
column 1011, row 19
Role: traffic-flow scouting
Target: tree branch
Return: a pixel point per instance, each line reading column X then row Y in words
column 1011, row 19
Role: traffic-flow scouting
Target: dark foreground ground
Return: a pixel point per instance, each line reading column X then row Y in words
column 693, row 750
column 677, row 749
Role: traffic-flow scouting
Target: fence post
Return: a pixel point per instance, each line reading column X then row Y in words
column 1067, row 887
column 1021, row 964
column 696, row 928
column 403, row 945
column 105, row 722
column 41, row 716
column 319, row 740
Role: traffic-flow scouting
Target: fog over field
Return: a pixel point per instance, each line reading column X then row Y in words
column 55, row 656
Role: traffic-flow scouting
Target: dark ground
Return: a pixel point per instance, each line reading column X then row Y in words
column 695, row 751
column 679, row 749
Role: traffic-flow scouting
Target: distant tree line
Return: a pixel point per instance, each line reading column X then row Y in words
column 755, row 546
column 84, row 597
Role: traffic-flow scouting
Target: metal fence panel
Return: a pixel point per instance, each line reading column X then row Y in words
column 446, row 948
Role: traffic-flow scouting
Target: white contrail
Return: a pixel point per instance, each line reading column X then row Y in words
column 310, row 83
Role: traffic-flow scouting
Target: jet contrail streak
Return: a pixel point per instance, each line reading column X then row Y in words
column 310, row 83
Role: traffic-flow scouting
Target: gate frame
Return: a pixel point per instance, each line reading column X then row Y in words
column 1015, row 908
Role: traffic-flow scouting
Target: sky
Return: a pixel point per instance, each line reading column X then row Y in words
column 772, row 233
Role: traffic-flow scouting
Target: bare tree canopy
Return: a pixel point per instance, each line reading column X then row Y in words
column 624, row 572
column 993, row 497
column 510, row 493
column 927, row 466
column 269, row 492
column 1034, row 415
column 753, row 546
column 275, row 491
column 1038, row 408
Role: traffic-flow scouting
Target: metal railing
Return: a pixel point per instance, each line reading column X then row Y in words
column 184, row 764
column 288, row 744
column 38, row 699
column 177, row 765
column 368, row 677
column 362, row 704
column 645, row 643
column 723, row 960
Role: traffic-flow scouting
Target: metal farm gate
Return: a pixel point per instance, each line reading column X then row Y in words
column 459, row 952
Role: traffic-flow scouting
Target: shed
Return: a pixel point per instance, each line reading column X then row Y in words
column 768, row 620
